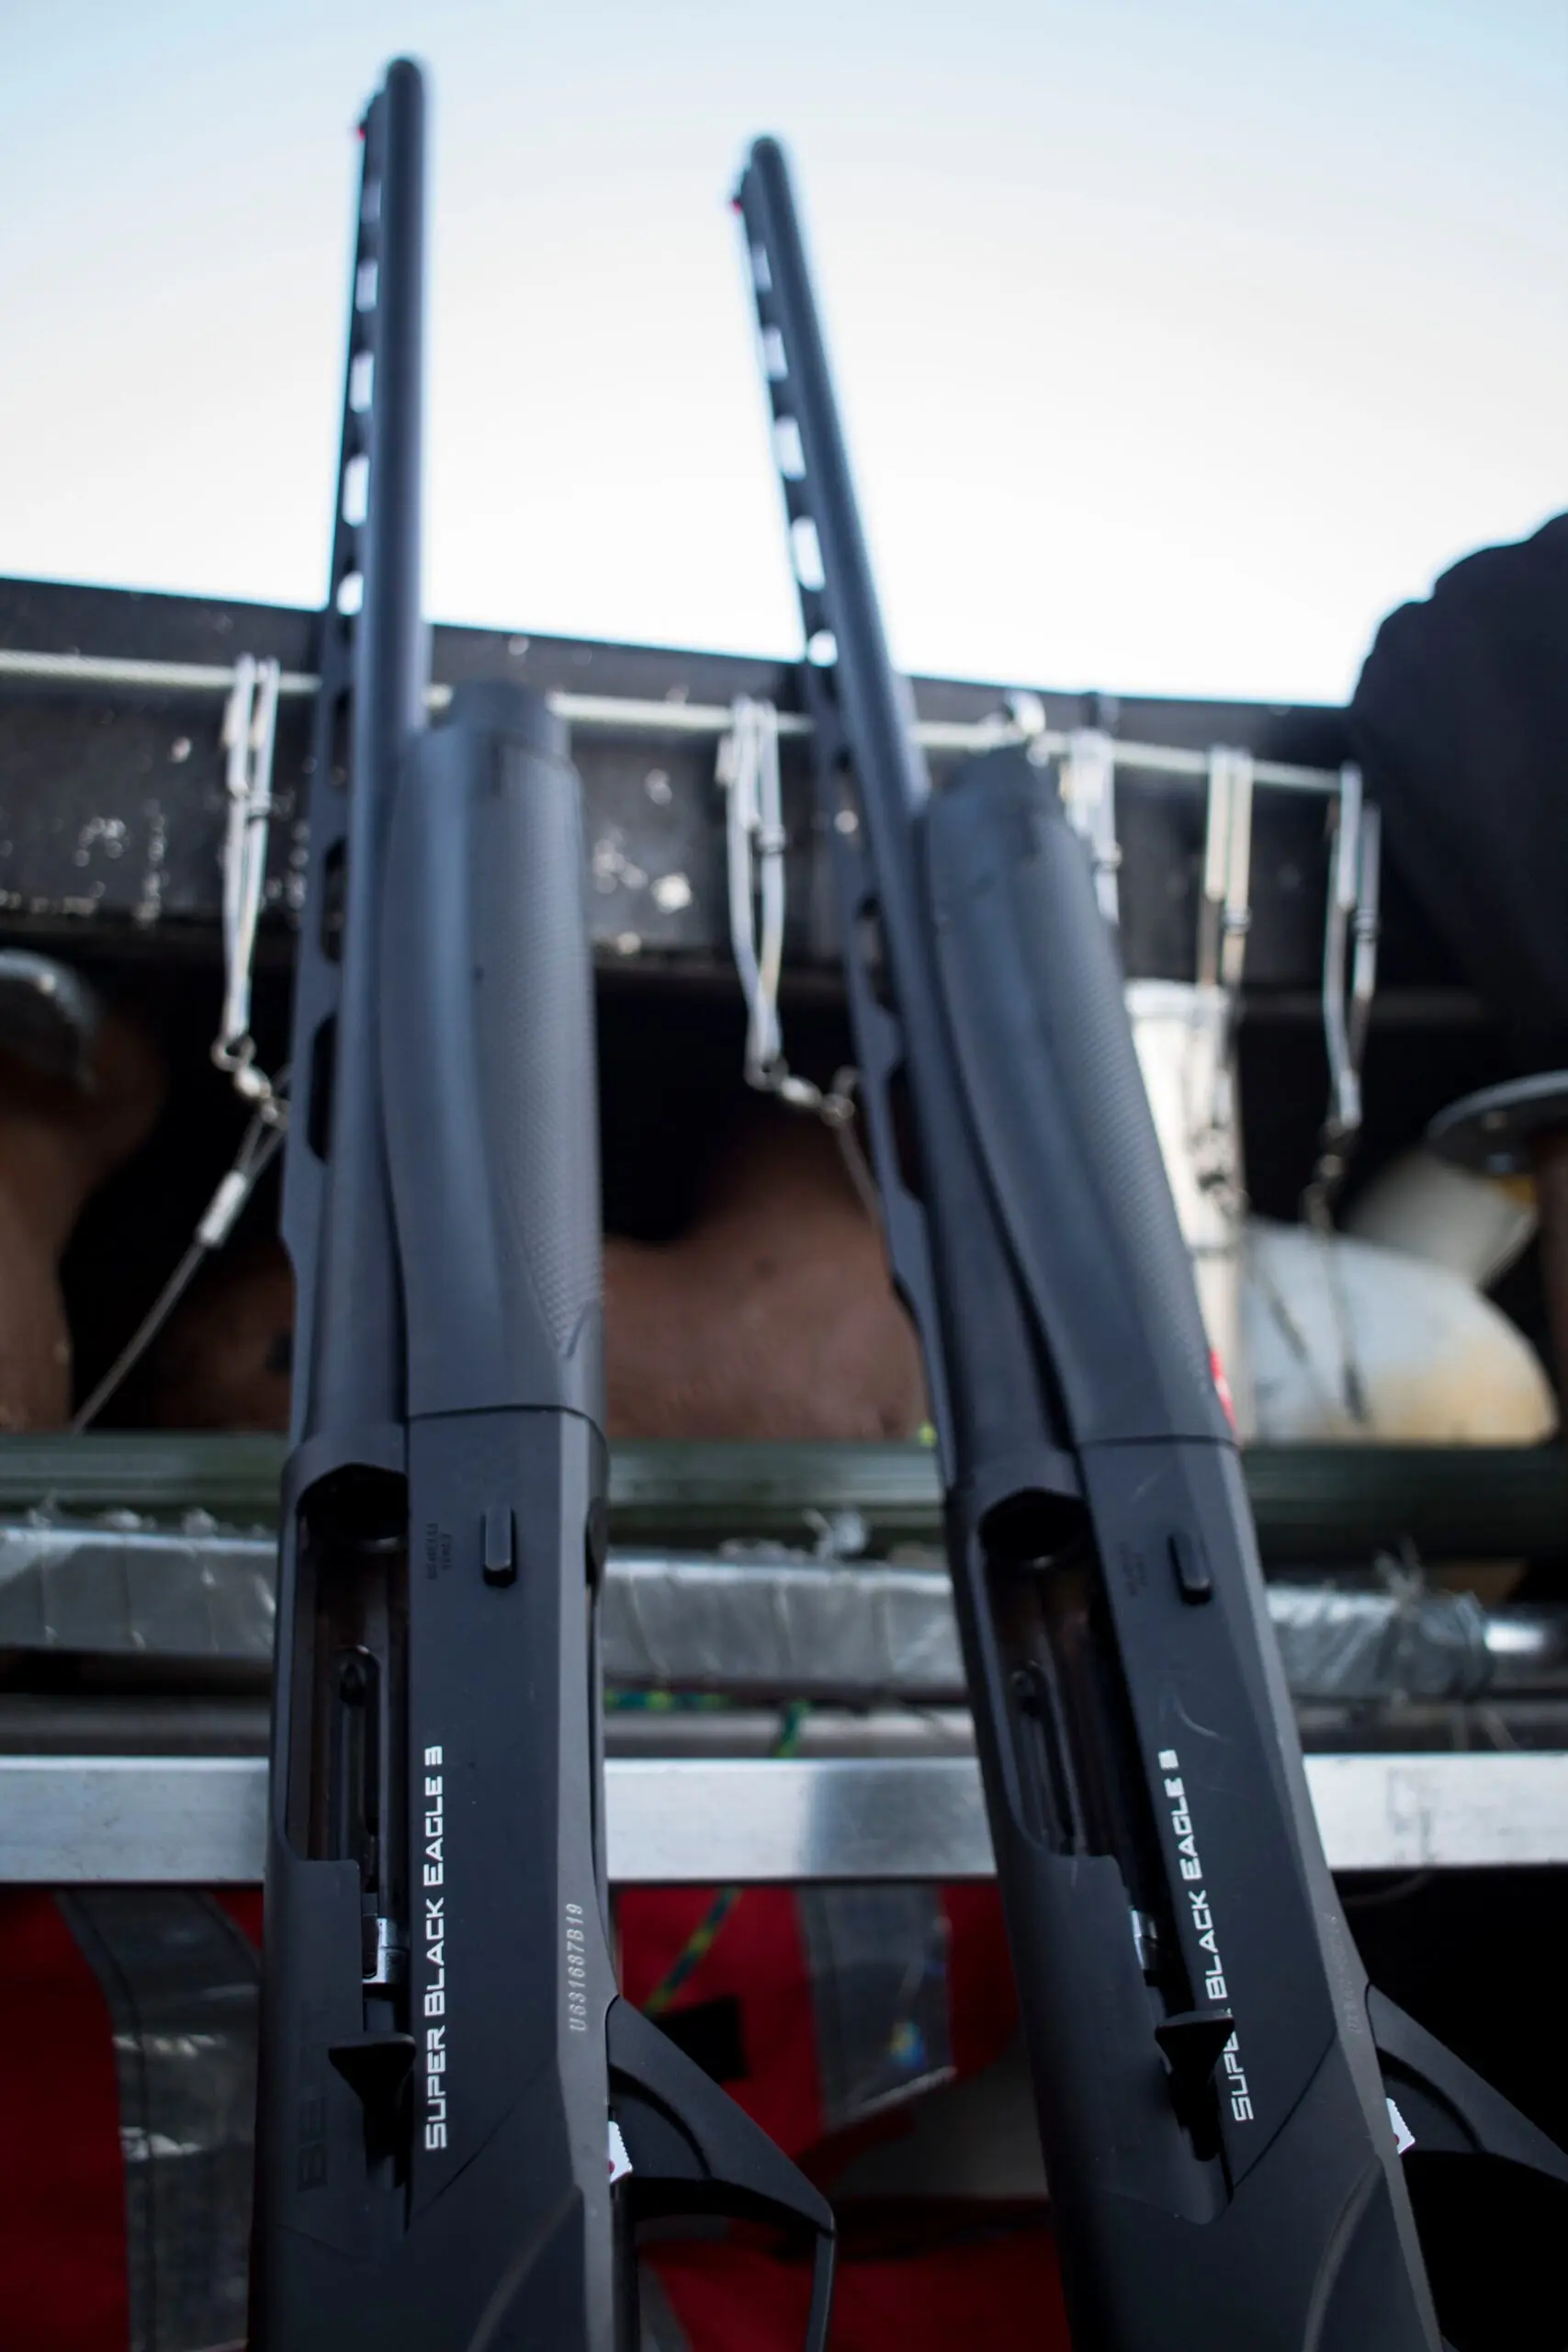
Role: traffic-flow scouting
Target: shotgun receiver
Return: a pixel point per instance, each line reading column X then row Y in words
column 1220, row 2098
column 461, row 2122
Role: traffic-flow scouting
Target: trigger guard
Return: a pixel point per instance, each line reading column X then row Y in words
column 693, row 2151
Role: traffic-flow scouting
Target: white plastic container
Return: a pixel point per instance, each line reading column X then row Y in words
column 1182, row 1032
column 1435, row 1362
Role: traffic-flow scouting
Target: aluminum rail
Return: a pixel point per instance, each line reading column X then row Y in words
column 611, row 713
column 74, row 1821
column 139, row 1722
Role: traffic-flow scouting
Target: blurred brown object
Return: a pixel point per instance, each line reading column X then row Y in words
column 60, row 1138
column 224, row 1361
column 772, row 1318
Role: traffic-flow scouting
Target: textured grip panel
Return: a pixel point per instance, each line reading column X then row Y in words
column 488, row 1053
column 534, row 1011
column 1033, row 996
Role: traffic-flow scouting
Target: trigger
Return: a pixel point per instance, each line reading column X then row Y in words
column 620, row 2160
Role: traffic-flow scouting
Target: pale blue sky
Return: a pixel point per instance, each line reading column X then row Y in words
column 1177, row 339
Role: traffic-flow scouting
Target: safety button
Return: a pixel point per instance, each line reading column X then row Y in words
column 500, row 1550
column 1190, row 1562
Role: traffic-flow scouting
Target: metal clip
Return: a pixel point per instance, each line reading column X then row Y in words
column 748, row 773
column 249, row 729
column 1224, row 916
column 1350, row 932
column 1088, row 796
column 1227, row 914
column 1353, row 888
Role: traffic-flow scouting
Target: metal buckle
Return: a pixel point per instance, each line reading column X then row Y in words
column 748, row 773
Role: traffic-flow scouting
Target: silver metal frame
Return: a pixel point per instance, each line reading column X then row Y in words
column 71, row 1821
column 613, row 714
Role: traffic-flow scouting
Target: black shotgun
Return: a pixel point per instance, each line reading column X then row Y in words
column 461, row 2122
column 1220, row 2098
